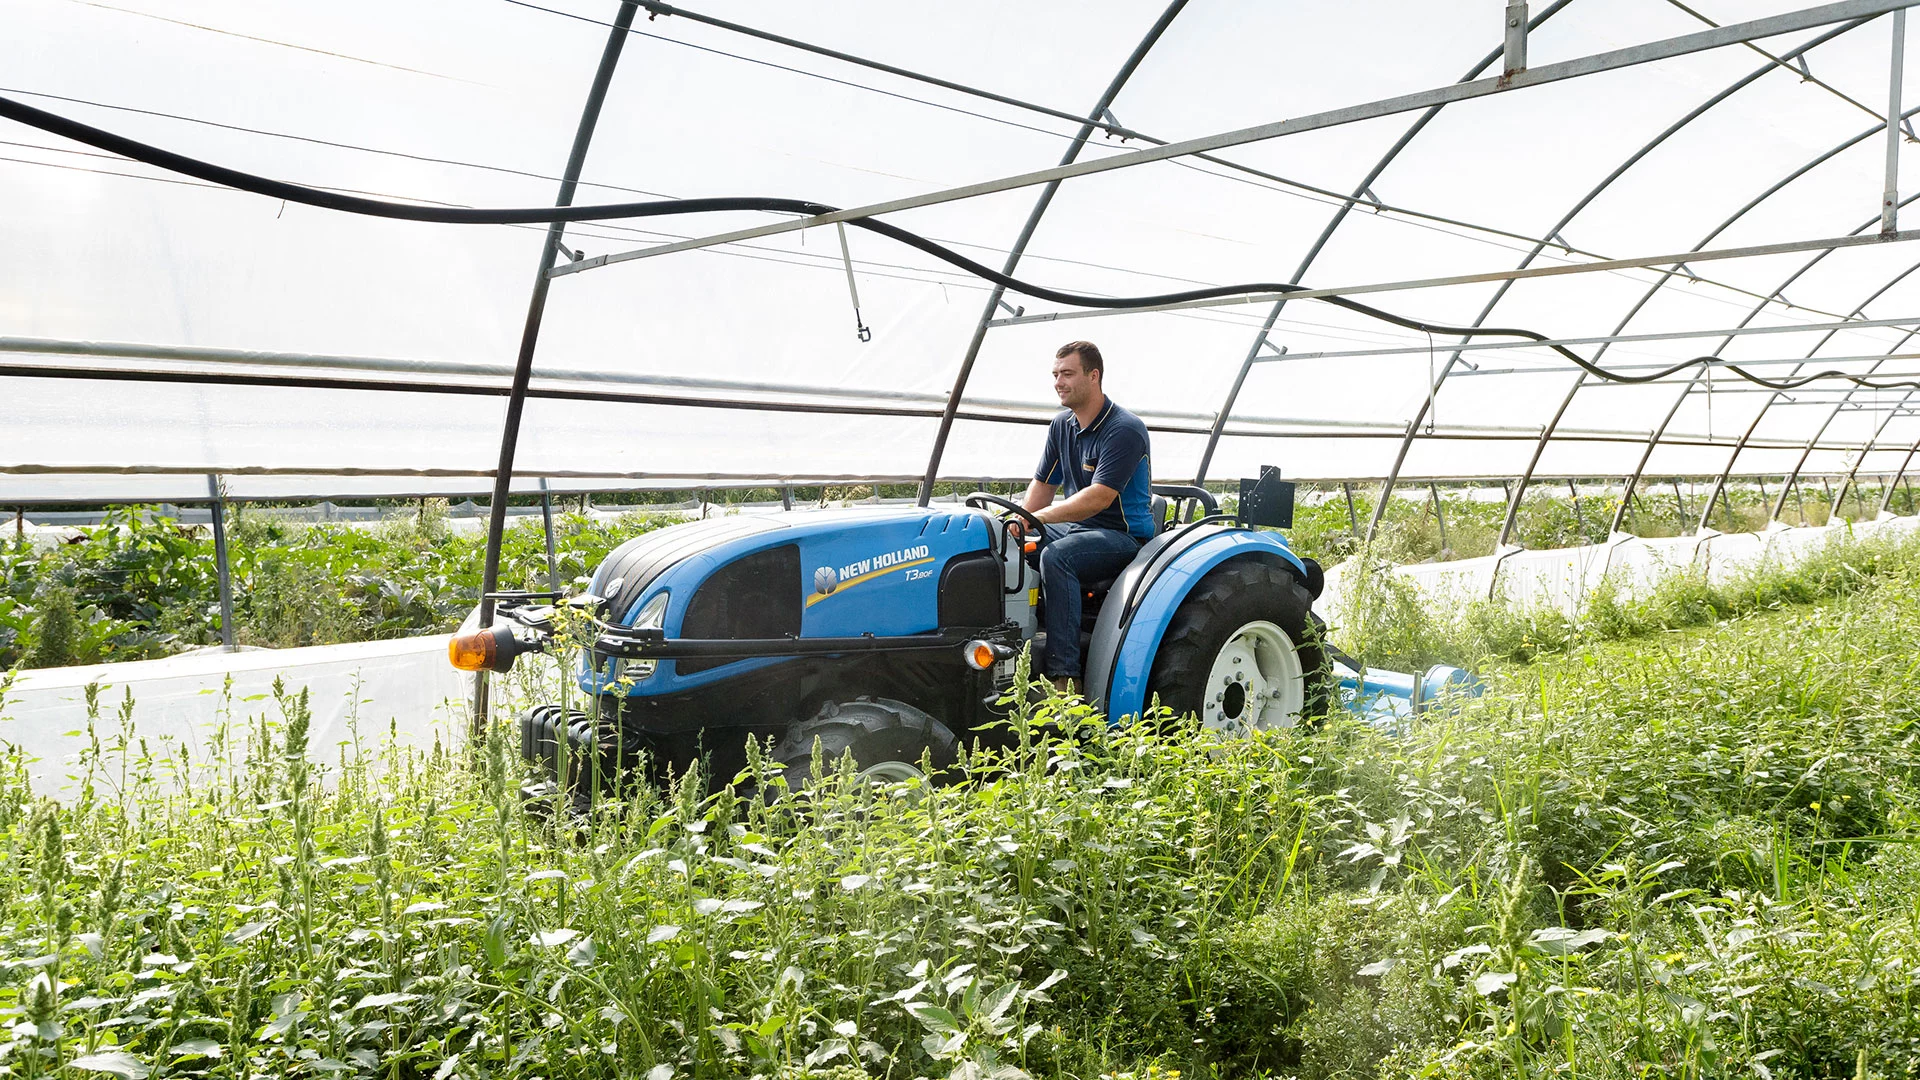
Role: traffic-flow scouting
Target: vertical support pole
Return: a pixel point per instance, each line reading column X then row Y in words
column 1886, row 497
column 1515, row 54
column 1353, row 519
column 1019, row 247
column 20, row 524
column 1799, row 501
column 1439, row 517
column 1890, row 199
column 546, row 525
column 218, row 506
column 1828, row 488
column 786, row 496
column 1763, row 491
column 1680, row 505
column 530, row 333
column 1579, row 519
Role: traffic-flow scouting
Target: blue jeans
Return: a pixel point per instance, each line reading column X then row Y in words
column 1072, row 554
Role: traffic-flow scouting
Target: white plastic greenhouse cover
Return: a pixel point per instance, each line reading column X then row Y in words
column 295, row 350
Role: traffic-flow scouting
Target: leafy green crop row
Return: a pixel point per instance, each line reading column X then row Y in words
column 140, row 586
column 1684, row 855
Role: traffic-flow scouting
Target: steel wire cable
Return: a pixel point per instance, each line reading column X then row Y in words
column 352, row 204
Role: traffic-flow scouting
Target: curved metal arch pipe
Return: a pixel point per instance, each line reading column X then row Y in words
column 1340, row 216
column 1420, row 413
column 1832, row 415
column 1019, row 247
column 530, row 334
column 1653, row 440
column 1546, row 433
column 1720, row 482
column 1886, row 497
column 1854, row 472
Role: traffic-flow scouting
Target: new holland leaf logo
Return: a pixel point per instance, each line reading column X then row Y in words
column 828, row 580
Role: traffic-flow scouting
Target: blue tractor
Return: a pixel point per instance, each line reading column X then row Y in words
column 891, row 634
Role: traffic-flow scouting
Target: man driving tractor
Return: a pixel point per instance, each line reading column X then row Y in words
column 1097, row 459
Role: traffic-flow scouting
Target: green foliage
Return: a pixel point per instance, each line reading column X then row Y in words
column 135, row 587
column 142, row 585
column 1684, row 855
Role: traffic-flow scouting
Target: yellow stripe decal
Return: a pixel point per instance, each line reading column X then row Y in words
column 852, row 581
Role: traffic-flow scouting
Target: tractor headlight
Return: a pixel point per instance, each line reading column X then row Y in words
column 651, row 616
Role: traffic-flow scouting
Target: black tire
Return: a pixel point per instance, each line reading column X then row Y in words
column 1229, row 600
column 876, row 732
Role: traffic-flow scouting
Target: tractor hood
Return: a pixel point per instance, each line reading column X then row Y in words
column 836, row 549
column 628, row 570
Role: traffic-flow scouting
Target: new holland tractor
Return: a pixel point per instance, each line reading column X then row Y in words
column 891, row 634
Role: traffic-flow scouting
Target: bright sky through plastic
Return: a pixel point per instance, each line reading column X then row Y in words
column 474, row 103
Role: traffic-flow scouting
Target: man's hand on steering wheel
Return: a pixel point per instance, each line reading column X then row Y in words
column 1022, row 520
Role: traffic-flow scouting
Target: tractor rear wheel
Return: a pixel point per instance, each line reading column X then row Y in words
column 887, row 740
column 1243, row 651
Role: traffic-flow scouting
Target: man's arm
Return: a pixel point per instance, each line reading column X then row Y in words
column 1082, row 505
column 1039, row 494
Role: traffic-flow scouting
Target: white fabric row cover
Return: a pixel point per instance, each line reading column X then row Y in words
column 742, row 361
column 373, row 692
column 1564, row 579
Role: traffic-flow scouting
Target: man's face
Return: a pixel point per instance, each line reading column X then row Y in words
column 1074, row 385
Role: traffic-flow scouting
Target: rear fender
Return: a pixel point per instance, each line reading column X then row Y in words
column 1142, row 602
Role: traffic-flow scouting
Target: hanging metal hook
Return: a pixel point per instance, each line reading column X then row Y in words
column 846, row 258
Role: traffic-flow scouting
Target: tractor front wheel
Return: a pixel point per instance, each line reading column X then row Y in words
column 887, row 740
column 1243, row 651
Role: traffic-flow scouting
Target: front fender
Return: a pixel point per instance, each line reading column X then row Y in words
column 1142, row 602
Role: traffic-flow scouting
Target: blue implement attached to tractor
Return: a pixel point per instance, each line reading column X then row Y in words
column 891, row 634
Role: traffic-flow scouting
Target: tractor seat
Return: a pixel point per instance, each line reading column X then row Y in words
column 1096, row 588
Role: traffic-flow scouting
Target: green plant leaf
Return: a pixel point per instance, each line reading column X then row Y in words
column 933, row 1017
column 1490, row 983
column 206, row 1048
column 115, row 1062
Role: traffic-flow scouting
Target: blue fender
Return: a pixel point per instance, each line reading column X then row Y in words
column 1141, row 604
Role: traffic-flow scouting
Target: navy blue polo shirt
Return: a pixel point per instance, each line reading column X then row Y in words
column 1111, row 451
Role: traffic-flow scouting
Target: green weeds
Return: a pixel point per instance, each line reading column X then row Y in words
column 1685, row 854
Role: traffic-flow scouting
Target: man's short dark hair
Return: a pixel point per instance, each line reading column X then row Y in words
column 1089, row 354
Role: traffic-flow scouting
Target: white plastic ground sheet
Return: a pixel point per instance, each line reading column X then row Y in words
column 372, row 691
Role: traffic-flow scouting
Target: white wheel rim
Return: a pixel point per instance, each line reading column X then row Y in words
column 1256, row 682
column 891, row 772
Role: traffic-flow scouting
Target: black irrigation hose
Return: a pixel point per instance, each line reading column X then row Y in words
column 353, row 204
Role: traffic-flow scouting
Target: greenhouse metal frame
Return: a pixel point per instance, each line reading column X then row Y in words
column 1865, row 412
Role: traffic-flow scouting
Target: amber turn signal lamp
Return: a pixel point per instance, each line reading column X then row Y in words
column 982, row 655
column 473, row 651
column 491, row 649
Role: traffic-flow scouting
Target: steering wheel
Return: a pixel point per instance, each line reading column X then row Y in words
column 980, row 500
